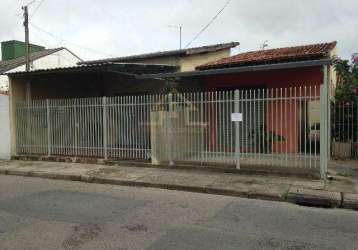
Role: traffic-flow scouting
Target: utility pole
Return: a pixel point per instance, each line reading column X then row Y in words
column 27, row 45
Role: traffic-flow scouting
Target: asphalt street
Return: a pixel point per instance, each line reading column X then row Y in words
column 50, row 214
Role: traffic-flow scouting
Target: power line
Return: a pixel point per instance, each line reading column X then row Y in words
column 36, row 9
column 30, row 2
column 61, row 39
column 64, row 40
column 39, row 36
column 20, row 14
column 207, row 25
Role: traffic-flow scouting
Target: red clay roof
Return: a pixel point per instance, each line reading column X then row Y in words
column 298, row 53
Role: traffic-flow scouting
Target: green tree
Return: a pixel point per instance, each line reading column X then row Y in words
column 344, row 109
column 347, row 84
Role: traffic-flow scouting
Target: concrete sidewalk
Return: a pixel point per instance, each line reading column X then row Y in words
column 340, row 192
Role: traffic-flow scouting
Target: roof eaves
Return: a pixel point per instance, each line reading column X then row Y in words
column 189, row 51
column 107, row 66
column 239, row 69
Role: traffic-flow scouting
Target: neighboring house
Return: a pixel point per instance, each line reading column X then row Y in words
column 185, row 59
column 13, row 59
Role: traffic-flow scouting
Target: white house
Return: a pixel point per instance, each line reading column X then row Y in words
column 44, row 59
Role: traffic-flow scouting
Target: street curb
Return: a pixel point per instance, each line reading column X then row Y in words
column 315, row 198
column 305, row 197
column 210, row 167
column 350, row 201
column 101, row 180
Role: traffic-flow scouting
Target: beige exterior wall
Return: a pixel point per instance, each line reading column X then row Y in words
column 169, row 60
column 187, row 63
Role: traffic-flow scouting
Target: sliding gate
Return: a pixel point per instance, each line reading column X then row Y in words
column 279, row 127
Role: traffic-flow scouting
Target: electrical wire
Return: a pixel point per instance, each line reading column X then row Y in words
column 208, row 24
column 73, row 44
column 36, row 9
column 60, row 38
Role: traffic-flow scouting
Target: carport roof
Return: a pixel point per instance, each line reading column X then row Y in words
column 121, row 68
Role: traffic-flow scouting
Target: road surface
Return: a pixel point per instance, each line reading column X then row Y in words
column 49, row 214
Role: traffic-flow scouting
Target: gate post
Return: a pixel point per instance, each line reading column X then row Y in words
column 324, row 134
column 237, row 130
column 104, row 124
column 48, row 127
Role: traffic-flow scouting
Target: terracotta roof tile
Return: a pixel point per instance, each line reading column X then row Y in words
column 297, row 53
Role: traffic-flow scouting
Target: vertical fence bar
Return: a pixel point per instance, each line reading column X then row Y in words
column 281, row 127
column 265, row 121
column 76, row 125
column 202, row 128
column 227, row 127
column 286, row 121
column 259, row 122
column 305, row 101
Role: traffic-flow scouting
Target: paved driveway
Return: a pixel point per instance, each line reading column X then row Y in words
column 48, row 214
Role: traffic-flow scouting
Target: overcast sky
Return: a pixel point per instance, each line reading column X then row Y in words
column 104, row 28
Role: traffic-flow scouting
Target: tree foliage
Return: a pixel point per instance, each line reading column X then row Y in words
column 344, row 109
column 347, row 82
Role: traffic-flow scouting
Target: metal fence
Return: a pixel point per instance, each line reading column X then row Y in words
column 344, row 129
column 279, row 127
